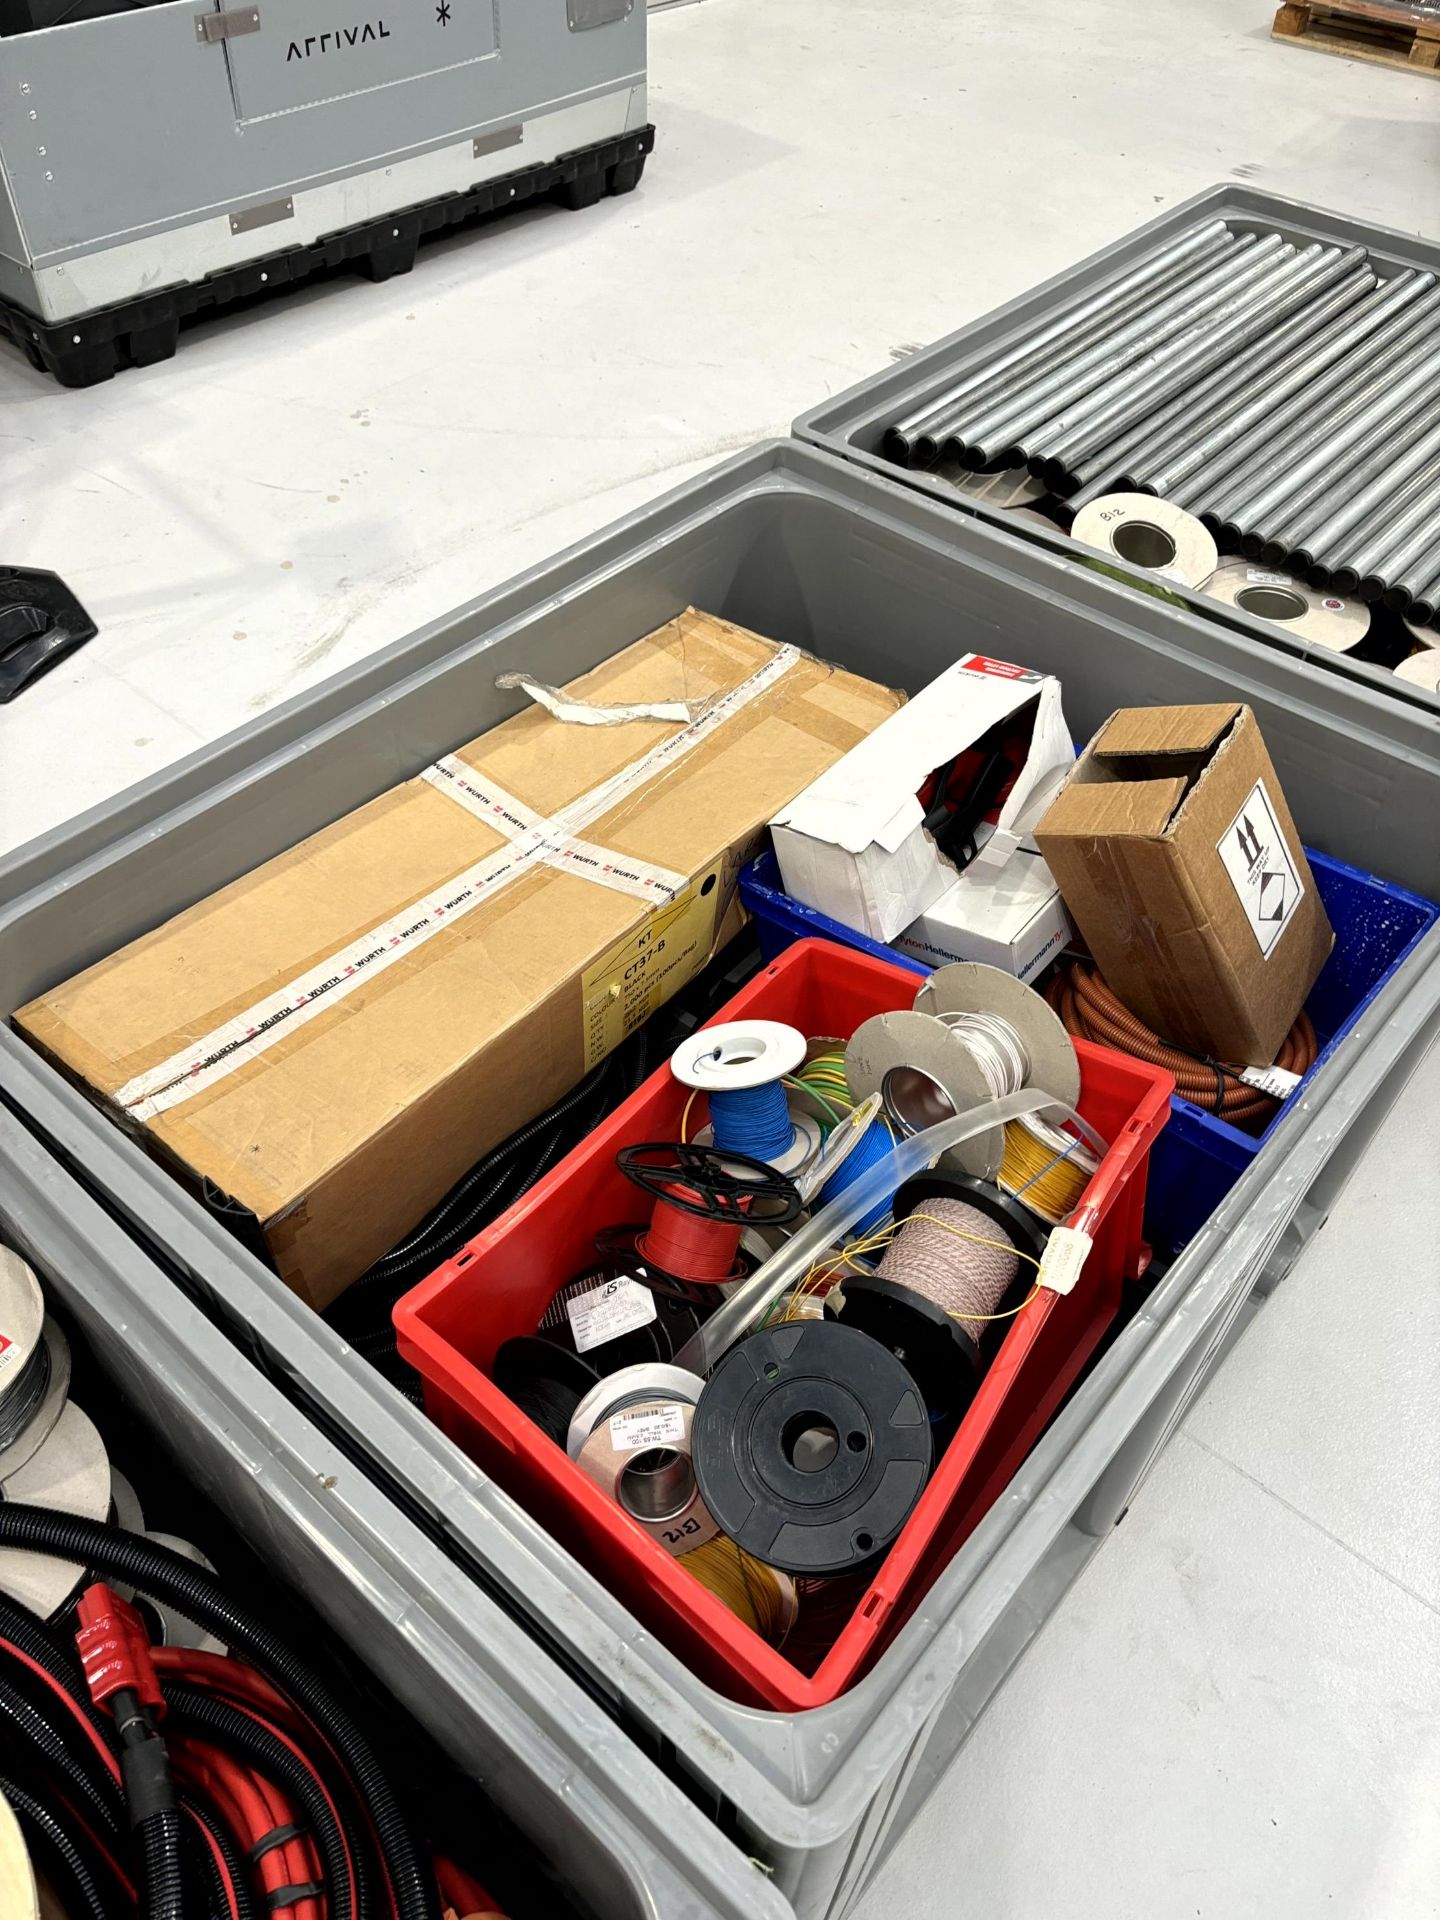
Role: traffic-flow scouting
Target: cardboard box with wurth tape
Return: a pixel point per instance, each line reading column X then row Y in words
column 334, row 1039
column 1179, row 861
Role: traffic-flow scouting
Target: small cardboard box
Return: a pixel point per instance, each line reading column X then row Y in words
column 1010, row 917
column 1178, row 858
column 333, row 1040
column 854, row 845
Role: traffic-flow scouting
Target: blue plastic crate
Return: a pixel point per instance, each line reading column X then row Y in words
column 1198, row 1158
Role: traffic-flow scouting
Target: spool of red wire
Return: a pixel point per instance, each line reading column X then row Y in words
column 687, row 1247
column 704, row 1200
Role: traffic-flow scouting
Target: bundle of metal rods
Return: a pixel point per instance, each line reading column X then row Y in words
column 1286, row 394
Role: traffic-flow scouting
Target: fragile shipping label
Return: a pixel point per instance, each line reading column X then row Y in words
column 1254, row 854
column 621, row 989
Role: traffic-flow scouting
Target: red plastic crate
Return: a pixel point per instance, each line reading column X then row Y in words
column 451, row 1325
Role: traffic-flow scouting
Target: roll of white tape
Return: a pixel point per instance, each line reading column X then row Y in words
column 1421, row 670
column 1326, row 618
column 1148, row 536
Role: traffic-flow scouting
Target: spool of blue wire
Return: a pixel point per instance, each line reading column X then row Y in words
column 753, row 1120
column 875, row 1144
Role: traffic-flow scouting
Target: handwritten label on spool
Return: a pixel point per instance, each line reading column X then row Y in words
column 615, row 1307
column 642, row 1428
column 1253, row 852
column 1258, row 578
column 1065, row 1254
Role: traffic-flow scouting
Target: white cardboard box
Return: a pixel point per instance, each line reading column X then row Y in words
column 1010, row 917
column 854, row 844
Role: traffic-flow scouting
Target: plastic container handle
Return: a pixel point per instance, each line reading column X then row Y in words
column 782, row 1270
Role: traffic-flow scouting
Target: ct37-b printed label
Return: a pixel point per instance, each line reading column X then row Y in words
column 1254, row 854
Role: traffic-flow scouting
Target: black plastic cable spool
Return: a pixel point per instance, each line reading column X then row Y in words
column 1028, row 1234
column 676, row 1320
column 733, row 1187
column 811, row 1444
column 938, row 1353
column 544, row 1380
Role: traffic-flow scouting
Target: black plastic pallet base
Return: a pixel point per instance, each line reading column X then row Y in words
column 84, row 351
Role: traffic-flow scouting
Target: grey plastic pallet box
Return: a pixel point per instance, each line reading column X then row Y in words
column 807, row 548
column 852, row 424
column 163, row 160
column 622, row 1838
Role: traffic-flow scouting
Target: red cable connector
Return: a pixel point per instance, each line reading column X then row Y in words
column 115, row 1649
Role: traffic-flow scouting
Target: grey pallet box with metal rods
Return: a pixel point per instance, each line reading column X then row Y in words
column 624, row 1839
column 165, row 160
column 805, row 548
column 853, row 423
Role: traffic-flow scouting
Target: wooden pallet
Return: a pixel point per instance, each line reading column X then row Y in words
column 1386, row 35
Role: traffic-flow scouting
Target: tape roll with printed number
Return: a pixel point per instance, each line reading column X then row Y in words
column 639, row 1455
column 1325, row 619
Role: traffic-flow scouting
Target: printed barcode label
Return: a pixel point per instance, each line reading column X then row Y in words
column 1279, row 1082
column 8, row 1350
column 607, row 1311
column 644, row 1427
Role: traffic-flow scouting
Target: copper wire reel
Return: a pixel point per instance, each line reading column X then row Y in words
column 1089, row 1009
column 925, row 1070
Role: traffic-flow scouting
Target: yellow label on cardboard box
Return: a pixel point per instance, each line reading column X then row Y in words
column 639, row 973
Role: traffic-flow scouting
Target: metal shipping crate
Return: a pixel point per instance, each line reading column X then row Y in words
column 158, row 160
column 804, row 548
column 624, row 1839
column 853, row 423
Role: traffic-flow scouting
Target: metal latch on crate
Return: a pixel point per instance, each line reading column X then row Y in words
column 227, row 26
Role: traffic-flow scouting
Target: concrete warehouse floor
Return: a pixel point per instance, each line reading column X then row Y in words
column 1235, row 1711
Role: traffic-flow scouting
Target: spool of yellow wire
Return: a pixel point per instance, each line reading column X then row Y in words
column 1044, row 1169
column 824, row 1076
column 760, row 1596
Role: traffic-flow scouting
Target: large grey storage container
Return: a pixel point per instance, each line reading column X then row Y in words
column 808, row 549
column 624, row 1839
column 167, row 158
column 853, row 423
